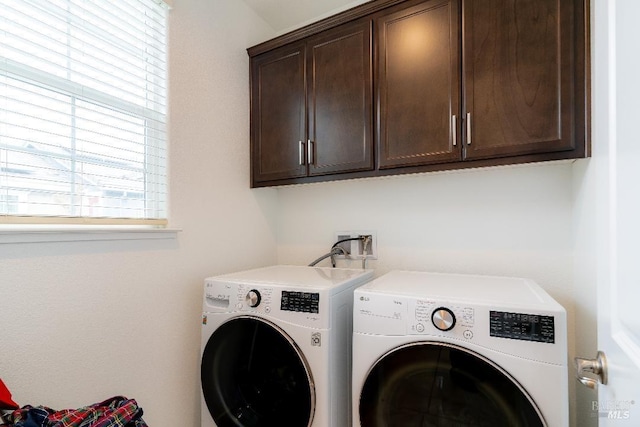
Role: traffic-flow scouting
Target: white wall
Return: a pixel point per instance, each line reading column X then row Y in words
column 585, row 288
column 507, row 220
column 83, row 321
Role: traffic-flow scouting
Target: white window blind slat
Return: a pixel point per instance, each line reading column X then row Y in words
column 105, row 20
column 111, row 136
column 23, row 91
column 83, row 111
column 133, row 91
column 52, row 42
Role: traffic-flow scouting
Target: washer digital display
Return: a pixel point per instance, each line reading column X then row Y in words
column 304, row 302
column 521, row 326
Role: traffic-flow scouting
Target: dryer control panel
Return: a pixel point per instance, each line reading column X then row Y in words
column 507, row 315
column 521, row 326
column 435, row 317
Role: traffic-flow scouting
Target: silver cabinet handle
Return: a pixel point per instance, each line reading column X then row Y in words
column 454, row 128
column 597, row 367
column 310, row 152
column 468, row 128
column 301, row 153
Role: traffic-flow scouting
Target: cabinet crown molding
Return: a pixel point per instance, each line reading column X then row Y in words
column 348, row 15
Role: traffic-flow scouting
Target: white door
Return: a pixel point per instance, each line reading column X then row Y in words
column 616, row 145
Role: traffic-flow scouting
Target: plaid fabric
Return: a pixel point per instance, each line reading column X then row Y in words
column 115, row 412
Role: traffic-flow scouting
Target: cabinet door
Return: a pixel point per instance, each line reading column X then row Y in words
column 340, row 100
column 278, row 114
column 418, row 84
column 518, row 85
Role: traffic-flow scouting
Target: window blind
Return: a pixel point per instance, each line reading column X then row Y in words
column 83, row 100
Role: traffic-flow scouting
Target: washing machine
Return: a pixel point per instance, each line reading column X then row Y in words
column 442, row 350
column 276, row 347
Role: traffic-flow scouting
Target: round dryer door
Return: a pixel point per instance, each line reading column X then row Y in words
column 432, row 384
column 253, row 374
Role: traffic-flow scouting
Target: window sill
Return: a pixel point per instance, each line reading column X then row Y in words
column 77, row 234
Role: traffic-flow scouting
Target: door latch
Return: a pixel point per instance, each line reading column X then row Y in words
column 597, row 367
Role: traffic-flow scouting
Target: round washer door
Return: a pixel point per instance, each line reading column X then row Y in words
column 436, row 384
column 253, row 374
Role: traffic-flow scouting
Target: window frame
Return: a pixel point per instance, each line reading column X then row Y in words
column 13, row 225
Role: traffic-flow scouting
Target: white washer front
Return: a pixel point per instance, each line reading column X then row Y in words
column 458, row 350
column 275, row 347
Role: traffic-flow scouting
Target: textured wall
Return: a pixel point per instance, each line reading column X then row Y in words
column 505, row 220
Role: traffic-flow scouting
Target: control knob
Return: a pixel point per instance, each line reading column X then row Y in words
column 443, row 319
column 253, row 298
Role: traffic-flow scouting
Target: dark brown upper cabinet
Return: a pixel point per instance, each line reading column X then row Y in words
column 311, row 106
column 521, row 90
column 278, row 114
column 418, row 84
column 430, row 84
column 518, row 82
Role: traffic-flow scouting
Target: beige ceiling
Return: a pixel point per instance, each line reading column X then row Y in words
column 285, row 15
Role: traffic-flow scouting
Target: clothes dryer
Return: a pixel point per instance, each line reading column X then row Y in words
column 458, row 350
column 276, row 347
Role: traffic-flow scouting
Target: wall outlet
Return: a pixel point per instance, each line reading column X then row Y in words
column 355, row 248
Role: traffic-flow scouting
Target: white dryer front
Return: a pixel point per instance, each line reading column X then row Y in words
column 458, row 350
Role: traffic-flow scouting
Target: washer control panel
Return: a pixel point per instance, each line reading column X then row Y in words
column 230, row 297
column 302, row 307
column 303, row 302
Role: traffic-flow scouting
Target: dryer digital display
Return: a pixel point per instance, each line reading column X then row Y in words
column 520, row 326
column 304, row 302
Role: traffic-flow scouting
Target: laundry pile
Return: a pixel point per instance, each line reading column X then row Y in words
column 114, row 412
